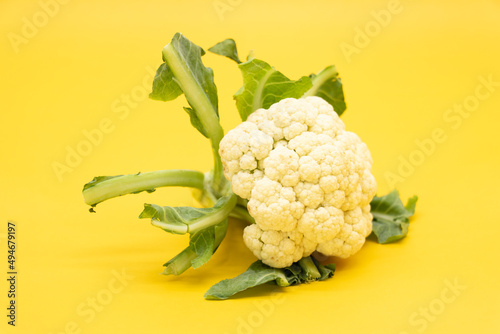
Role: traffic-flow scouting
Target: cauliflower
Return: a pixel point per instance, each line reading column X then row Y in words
column 307, row 180
column 304, row 182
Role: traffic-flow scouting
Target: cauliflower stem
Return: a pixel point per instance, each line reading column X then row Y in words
column 102, row 188
column 290, row 170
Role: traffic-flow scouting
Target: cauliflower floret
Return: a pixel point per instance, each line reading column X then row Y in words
column 310, row 194
column 273, row 206
column 321, row 224
column 244, row 181
column 242, row 147
column 264, row 124
column 307, row 179
column 290, row 115
column 310, row 170
column 275, row 248
column 357, row 226
column 282, row 165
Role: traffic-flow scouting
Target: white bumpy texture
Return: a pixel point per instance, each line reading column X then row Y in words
column 308, row 181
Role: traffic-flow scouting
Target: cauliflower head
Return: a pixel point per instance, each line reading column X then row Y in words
column 307, row 180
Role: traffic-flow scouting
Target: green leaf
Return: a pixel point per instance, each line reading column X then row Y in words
column 305, row 271
column 226, row 48
column 199, row 251
column 185, row 219
column 257, row 74
column 171, row 219
column 202, row 243
column 207, row 227
column 326, row 271
column 411, row 204
column 390, row 217
column 220, row 233
column 327, row 85
column 257, row 274
column 165, row 88
column 195, row 121
column 197, row 83
column 184, row 72
column 264, row 86
column 195, row 80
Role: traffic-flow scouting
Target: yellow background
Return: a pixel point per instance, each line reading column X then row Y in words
column 73, row 72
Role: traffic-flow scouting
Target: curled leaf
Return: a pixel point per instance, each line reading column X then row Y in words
column 390, row 217
column 305, row 271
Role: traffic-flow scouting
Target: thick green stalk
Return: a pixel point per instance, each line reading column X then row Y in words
column 200, row 103
column 180, row 263
column 183, row 261
column 307, row 264
column 322, row 77
column 215, row 218
column 134, row 183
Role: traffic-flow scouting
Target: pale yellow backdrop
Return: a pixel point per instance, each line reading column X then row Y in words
column 422, row 83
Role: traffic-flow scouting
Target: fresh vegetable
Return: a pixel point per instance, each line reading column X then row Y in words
column 290, row 170
column 308, row 182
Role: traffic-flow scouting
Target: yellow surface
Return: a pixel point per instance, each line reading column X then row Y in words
column 73, row 74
